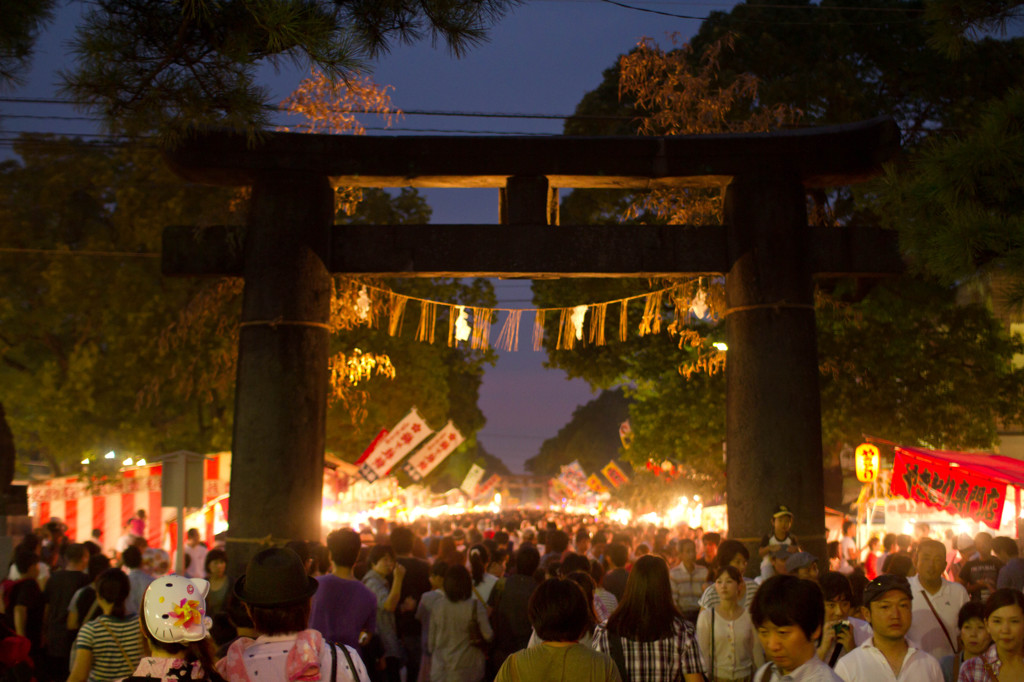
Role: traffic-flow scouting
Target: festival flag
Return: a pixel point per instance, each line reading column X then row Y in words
column 433, row 453
column 594, row 483
column 558, row 491
column 614, row 474
column 574, row 478
column 406, row 435
column 373, row 446
column 472, row 480
column 488, row 485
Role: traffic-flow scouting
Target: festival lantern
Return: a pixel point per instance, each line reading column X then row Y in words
column 867, row 458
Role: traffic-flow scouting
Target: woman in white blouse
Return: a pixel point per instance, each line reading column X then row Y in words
column 730, row 650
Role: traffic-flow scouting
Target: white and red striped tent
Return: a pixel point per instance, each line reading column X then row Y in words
column 109, row 505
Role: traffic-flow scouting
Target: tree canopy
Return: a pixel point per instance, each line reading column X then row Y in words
column 153, row 65
column 938, row 372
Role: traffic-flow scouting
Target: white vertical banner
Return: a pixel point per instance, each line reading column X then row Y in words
column 434, row 452
column 472, row 480
column 399, row 442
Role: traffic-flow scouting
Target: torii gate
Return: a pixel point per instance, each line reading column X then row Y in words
column 766, row 250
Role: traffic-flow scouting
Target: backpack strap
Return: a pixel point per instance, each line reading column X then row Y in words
column 334, row 662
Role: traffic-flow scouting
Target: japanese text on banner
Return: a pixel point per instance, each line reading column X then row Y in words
column 399, row 442
column 433, row 453
column 955, row 490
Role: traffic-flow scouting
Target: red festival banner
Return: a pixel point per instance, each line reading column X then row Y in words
column 947, row 486
column 399, row 442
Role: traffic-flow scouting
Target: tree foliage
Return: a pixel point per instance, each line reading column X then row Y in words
column 591, row 436
column 154, row 65
column 939, row 374
column 23, row 20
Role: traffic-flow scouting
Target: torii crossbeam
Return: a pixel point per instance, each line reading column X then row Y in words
column 766, row 250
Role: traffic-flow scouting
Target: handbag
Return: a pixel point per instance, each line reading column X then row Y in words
column 476, row 636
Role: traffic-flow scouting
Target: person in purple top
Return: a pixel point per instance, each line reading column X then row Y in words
column 344, row 610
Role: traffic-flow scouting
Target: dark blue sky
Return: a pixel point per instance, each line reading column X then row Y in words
column 541, row 59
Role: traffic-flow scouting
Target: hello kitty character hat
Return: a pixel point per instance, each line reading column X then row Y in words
column 175, row 609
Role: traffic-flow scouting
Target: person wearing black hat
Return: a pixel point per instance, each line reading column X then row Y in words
column 888, row 655
column 276, row 592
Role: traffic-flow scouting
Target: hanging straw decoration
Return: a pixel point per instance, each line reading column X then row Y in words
column 428, row 322
column 372, row 304
column 508, row 339
column 623, row 320
column 481, row 328
column 396, row 313
column 651, row 322
column 538, row 330
column 597, row 324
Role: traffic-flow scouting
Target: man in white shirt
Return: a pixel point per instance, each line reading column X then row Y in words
column 888, row 656
column 788, row 613
column 933, row 595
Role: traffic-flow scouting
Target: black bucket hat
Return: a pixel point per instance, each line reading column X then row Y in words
column 275, row 577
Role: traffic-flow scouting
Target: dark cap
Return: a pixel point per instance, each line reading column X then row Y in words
column 798, row 560
column 886, row 583
column 781, row 510
column 275, row 577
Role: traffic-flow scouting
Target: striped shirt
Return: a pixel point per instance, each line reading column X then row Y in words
column 108, row 661
column 665, row 660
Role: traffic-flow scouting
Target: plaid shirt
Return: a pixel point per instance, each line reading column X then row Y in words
column 665, row 660
column 973, row 670
column 688, row 587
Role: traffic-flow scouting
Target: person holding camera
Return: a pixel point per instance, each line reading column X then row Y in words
column 842, row 633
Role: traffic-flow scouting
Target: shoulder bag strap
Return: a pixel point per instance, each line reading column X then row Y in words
column 615, row 648
column 989, row 670
column 334, row 662
column 941, row 624
column 351, row 665
column 116, row 641
column 712, row 643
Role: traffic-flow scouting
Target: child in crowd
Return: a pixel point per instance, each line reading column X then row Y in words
column 779, row 538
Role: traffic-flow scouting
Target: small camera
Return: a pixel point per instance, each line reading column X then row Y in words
column 840, row 626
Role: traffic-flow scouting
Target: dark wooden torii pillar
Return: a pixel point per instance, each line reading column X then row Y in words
column 766, row 250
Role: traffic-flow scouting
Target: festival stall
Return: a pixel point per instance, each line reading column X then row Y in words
column 961, row 491
column 84, row 503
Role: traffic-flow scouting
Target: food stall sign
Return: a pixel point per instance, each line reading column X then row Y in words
column 867, row 462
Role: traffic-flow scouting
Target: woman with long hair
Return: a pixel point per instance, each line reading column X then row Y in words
column 174, row 623
column 459, row 630
column 728, row 642
column 646, row 636
column 483, row 582
column 1004, row 660
column 109, row 647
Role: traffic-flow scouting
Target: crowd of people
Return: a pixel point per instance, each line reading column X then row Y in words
column 518, row 597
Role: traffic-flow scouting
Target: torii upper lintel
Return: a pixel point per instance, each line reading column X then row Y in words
column 821, row 157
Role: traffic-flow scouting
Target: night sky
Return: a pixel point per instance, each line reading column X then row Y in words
column 541, row 59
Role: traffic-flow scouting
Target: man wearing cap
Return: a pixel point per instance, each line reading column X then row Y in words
column 937, row 602
column 778, row 565
column 276, row 592
column 779, row 538
column 803, row 565
column 888, row 656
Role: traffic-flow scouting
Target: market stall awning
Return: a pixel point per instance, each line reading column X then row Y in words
column 963, row 483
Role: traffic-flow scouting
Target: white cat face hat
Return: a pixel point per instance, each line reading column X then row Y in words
column 175, row 609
